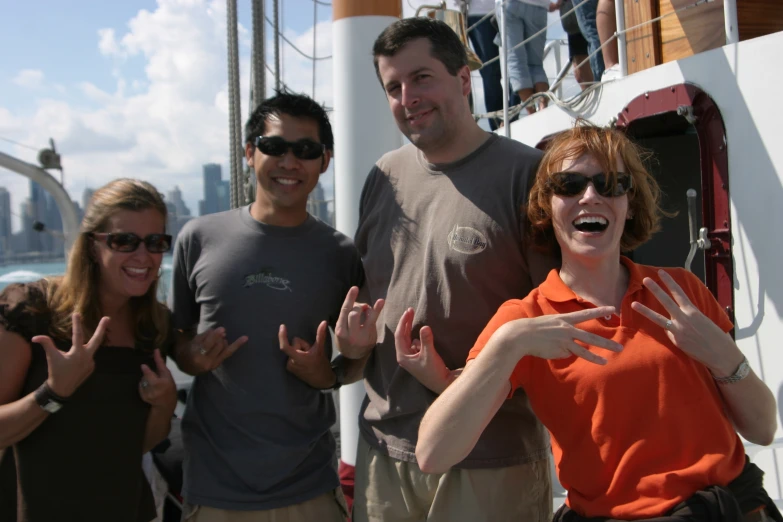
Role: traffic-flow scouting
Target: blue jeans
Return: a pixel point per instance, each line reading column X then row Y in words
column 482, row 37
column 585, row 15
column 525, row 63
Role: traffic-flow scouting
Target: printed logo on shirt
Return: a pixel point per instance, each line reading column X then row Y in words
column 466, row 240
column 266, row 277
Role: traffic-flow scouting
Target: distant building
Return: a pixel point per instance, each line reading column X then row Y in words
column 214, row 198
column 178, row 211
column 6, row 230
column 86, row 197
column 318, row 205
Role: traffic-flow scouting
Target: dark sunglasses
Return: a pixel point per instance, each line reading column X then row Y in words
column 129, row 242
column 305, row 149
column 569, row 184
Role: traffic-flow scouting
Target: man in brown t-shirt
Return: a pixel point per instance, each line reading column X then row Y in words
column 441, row 231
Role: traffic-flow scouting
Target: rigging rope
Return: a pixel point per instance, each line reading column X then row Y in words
column 236, row 198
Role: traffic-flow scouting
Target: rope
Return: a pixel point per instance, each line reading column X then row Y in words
column 276, row 25
column 19, row 144
column 321, row 3
column 235, row 127
column 289, row 42
column 259, row 75
column 483, row 18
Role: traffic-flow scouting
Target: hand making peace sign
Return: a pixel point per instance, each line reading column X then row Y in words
column 68, row 370
column 689, row 329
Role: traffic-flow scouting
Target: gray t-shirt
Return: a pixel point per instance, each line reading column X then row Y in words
column 256, row 437
column 447, row 240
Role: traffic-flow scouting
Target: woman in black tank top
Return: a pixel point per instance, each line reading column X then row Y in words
column 84, row 389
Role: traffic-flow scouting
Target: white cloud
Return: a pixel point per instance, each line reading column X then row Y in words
column 29, row 78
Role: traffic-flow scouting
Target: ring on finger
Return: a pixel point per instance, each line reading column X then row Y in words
column 202, row 351
column 144, row 383
column 668, row 324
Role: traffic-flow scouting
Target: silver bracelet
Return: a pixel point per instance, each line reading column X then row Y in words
column 743, row 370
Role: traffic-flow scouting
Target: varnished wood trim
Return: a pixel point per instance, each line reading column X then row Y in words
column 348, row 8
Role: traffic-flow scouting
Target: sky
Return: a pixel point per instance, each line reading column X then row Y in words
column 138, row 88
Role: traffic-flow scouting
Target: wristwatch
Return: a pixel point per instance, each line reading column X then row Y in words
column 49, row 401
column 339, row 372
column 743, row 370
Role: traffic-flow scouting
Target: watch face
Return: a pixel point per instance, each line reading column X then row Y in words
column 51, row 406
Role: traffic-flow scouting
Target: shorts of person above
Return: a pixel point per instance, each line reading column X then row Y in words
column 585, row 15
column 577, row 46
column 389, row 490
column 525, row 62
column 447, row 240
column 84, row 461
column 328, row 507
column 256, row 437
column 650, row 392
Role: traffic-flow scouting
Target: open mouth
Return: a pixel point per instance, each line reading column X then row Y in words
column 591, row 224
column 287, row 182
column 139, row 274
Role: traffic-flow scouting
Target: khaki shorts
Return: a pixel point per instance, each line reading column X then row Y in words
column 329, row 507
column 390, row 490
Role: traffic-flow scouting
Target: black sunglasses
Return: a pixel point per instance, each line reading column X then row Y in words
column 129, row 242
column 305, row 149
column 569, row 184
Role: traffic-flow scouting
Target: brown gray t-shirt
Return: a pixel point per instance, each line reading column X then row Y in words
column 447, row 240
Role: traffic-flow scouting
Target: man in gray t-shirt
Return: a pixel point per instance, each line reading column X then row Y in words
column 442, row 237
column 253, row 292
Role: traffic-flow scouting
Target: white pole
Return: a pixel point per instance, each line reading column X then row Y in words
column 622, row 55
column 730, row 19
column 503, row 65
column 359, row 101
column 50, row 184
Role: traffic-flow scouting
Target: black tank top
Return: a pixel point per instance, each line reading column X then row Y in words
column 82, row 463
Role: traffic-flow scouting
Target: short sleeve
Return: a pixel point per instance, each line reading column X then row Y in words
column 23, row 309
column 509, row 311
column 182, row 300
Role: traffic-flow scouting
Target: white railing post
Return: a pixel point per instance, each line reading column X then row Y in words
column 730, row 20
column 503, row 64
column 622, row 56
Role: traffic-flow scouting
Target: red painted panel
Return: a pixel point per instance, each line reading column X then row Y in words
column 716, row 210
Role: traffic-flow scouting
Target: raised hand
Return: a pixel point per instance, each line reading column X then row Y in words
column 157, row 388
column 308, row 363
column 555, row 336
column 209, row 349
column 419, row 357
column 355, row 329
column 68, row 370
column 689, row 329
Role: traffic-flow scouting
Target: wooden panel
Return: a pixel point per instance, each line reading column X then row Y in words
column 642, row 45
column 759, row 17
column 347, row 8
column 691, row 31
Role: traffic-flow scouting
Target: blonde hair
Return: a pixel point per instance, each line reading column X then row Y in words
column 605, row 146
column 77, row 290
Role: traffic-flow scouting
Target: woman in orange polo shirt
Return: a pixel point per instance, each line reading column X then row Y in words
column 630, row 367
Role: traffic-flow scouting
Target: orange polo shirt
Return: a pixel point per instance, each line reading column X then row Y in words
column 633, row 438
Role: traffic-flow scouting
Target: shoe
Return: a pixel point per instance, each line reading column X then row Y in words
column 612, row 73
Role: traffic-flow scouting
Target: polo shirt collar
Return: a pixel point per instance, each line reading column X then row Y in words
column 556, row 291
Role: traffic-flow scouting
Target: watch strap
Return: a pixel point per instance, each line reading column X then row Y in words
column 743, row 370
column 48, row 400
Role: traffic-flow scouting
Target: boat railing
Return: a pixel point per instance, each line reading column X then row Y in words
column 555, row 92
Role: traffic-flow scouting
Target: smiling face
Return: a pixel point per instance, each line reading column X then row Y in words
column 129, row 274
column 589, row 226
column 284, row 182
column 426, row 101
